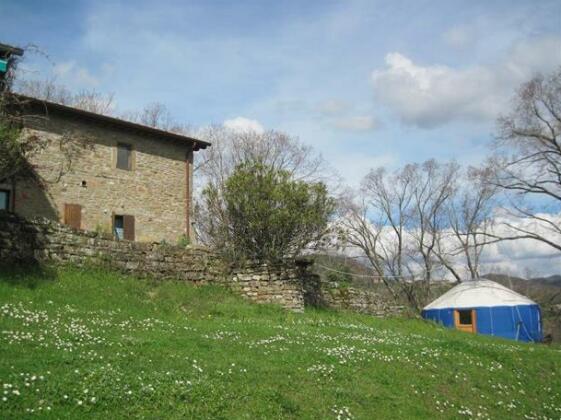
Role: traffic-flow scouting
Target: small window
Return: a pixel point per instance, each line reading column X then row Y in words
column 465, row 317
column 124, row 156
column 4, row 200
column 119, row 227
column 123, row 227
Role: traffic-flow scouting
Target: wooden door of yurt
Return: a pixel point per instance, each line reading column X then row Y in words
column 465, row 320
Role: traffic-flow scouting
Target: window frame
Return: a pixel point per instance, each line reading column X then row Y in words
column 122, row 218
column 9, row 199
column 462, row 313
column 128, row 227
column 130, row 157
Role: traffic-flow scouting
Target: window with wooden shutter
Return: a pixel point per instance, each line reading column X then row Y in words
column 123, row 227
column 128, row 225
column 73, row 215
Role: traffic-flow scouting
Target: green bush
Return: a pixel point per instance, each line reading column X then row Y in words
column 264, row 214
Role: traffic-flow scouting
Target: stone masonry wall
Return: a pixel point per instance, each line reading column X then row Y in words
column 327, row 294
column 44, row 240
column 291, row 284
column 281, row 284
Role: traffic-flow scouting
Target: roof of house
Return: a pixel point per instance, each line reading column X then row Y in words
column 479, row 293
column 117, row 122
column 4, row 48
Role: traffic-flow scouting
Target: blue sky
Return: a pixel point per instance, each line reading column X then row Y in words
column 366, row 83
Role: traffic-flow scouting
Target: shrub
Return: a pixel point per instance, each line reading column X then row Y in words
column 263, row 214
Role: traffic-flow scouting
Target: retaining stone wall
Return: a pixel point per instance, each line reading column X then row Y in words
column 272, row 284
column 290, row 284
column 337, row 296
column 45, row 240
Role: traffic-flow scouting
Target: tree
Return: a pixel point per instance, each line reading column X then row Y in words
column 48, row 90
column 231, row 148
column 527, row 162
column 157, row 115
column 263, row 214
column 396, row 223
column 469, row 219
column 274, row 148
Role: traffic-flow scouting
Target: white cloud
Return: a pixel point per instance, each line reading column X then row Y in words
column 429, row 96
column 244, row 124
column 356, row 123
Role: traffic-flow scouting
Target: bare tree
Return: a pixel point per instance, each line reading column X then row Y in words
column 275, row 149
column 48, row 90
column 527, row 162
column 397, row 222
column 157, row 115
column 434, row 187
column 355, row 228
column 93, row 101
column 469, row 219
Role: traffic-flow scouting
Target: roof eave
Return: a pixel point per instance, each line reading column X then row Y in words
column 196, row 143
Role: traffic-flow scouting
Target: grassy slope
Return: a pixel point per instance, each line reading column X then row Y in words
column 91, row 343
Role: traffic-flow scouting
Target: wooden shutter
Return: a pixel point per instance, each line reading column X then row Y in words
column 73, row 215
column 128, row 222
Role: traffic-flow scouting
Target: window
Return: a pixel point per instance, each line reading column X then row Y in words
column 123, row 227
column 119, row 227
column 465, row 317
column 4, row 200
column 124, row 156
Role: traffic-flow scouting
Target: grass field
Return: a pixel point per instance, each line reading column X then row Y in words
column 79, row 344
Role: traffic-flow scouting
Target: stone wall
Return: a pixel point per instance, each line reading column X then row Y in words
column 334, row 295
column 280, row 284
column 291, row 284
column 44, row 240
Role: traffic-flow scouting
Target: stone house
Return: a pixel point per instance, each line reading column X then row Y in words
column 99, row 173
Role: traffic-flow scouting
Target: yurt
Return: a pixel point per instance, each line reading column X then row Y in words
column 486, row 307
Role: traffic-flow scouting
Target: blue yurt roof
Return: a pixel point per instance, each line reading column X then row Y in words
column 479, row 293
